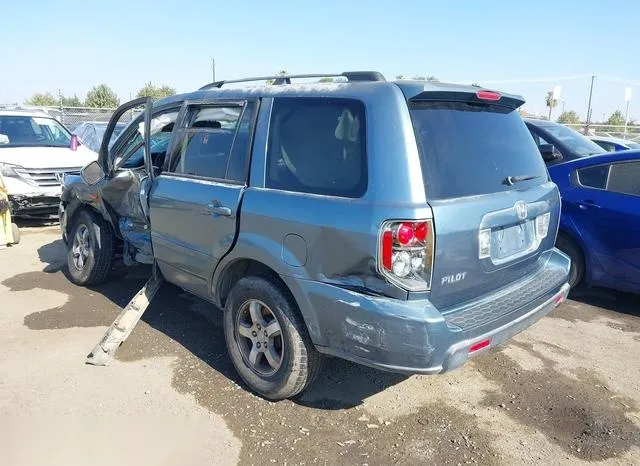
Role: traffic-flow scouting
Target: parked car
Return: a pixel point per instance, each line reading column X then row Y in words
column 614, row 144
column 91, row 133
column 600, row 224
column 558, row 143
column 402, row 225
column 35, row 151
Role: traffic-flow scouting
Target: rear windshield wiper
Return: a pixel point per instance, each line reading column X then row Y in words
column 510, row 180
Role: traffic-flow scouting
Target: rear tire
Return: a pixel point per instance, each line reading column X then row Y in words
column 576, row 272
column 90, row 249
column 258, row 312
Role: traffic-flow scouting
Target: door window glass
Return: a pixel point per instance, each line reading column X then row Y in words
column 238, row 166
column 131, row 154
column 205, row 143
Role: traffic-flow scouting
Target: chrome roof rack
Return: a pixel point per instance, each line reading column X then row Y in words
column 352, row 76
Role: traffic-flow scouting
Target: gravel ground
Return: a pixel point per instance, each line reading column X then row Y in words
column 566, row 391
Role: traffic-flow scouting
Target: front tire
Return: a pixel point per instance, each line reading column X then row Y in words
column 576, row 272
column 268, row 341
column 90, row 249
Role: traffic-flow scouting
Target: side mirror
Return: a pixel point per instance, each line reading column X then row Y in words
column 92, row 173
column 549, row 152
column 74, row 142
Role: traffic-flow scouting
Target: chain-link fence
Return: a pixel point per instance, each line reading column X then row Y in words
column 72, row 116
column 630, row 132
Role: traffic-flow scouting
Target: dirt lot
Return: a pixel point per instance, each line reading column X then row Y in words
column 565, row 391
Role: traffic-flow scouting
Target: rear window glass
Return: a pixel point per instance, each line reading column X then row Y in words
column 473, row 149
column 317, row 145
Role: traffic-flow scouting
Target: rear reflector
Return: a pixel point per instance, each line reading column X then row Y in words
column 488, row 95
column 560, row 298
column 478, row 346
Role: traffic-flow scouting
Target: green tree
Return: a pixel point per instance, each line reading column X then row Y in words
column 551, row 102
column 280, row 73
column 102, row 96
column 400, row 76
column 326, row 80
column 71, row 101
column 42, row 100
column 155, row 92
column 570, row 117
column 616, row 119
column 425, row 78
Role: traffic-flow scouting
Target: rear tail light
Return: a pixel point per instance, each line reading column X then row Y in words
column 406, row 253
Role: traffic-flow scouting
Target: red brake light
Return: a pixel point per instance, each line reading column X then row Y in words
column 421, row 230
column 405, row 233
column 488, row 95
column 387, row 249
column 406, row 253
column 478, row 346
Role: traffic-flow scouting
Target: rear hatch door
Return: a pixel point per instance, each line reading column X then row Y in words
column 495, row 209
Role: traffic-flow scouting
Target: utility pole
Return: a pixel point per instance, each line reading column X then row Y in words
column 627, row 98
column 586, row 129
column 213, row 68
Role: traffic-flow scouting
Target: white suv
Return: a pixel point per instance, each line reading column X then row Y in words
column 35, row 152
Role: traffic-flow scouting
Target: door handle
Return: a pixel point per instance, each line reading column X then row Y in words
column 588, row 204
column 216, row 208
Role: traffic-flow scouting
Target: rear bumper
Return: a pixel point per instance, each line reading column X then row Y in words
column 36, row 205
column 413, row 336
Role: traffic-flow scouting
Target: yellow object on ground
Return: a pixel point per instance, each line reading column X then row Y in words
column 6, row 229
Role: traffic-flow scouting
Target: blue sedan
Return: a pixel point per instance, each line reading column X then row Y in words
column 600, row 224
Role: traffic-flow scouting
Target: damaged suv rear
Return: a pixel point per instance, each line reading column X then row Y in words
column 405, row 225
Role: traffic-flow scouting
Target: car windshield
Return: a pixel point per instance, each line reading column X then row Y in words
column 577, row 143
column 633, row 145
column 30, row 131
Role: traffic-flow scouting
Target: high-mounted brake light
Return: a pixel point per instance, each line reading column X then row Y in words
column 406, row 253
column 488, row 95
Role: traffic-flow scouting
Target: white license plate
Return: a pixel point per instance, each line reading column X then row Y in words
column 510, row 241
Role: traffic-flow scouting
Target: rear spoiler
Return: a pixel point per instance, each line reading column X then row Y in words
column 481, row 96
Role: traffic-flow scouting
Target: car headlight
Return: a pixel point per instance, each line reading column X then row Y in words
column 8, row 169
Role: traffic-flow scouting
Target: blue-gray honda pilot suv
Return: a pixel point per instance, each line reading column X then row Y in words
column 402, row 225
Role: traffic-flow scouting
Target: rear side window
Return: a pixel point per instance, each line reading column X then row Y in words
column 317, row 145
column 594, row 177
column 472, row 149
column 624, row 178
column 205, row 144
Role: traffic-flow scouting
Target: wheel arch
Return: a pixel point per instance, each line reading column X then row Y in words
column 243, row 266
column 576, row 241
